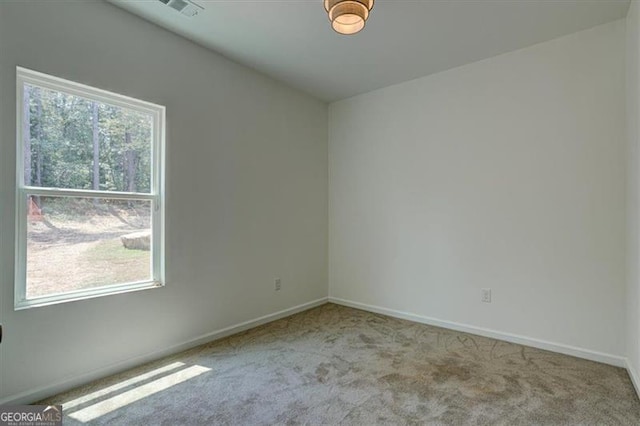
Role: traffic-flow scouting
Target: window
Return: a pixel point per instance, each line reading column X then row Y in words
column 89, row 192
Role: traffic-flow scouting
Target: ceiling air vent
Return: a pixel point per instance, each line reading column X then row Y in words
column 186, row 7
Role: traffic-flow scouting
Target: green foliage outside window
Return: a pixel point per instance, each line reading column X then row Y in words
column 68, row 133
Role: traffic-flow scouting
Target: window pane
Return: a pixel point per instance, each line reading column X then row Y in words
column 75, row 143
column 76, row 243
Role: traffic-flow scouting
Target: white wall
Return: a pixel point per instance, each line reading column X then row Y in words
column 507, row 173
column 633, row 210
column 246, row 194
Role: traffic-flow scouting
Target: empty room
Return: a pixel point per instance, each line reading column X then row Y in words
column 318, row 212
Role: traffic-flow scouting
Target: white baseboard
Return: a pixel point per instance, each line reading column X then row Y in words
column 635, row 379
column 605, row 358
column 43, row 392
column 33, row 395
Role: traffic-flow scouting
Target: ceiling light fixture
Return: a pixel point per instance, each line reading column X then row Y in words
column 348, row 16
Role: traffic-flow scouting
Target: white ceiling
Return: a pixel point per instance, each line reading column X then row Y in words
column 292, row 41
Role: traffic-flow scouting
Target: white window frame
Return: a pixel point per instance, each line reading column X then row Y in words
column 155, row 196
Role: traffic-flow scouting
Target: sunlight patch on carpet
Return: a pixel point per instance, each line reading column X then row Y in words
column 121, row 385
column 123, row 399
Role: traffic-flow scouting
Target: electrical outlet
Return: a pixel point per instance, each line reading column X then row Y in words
column 486, row 295
column 278, row 284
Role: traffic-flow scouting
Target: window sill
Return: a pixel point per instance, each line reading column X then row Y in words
column 85, row 294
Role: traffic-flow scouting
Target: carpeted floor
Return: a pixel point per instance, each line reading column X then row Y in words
column 336, row 365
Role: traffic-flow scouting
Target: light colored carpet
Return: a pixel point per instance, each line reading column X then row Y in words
column 336, row 365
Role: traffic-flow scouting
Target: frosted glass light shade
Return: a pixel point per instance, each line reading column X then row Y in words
column 348, row 16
